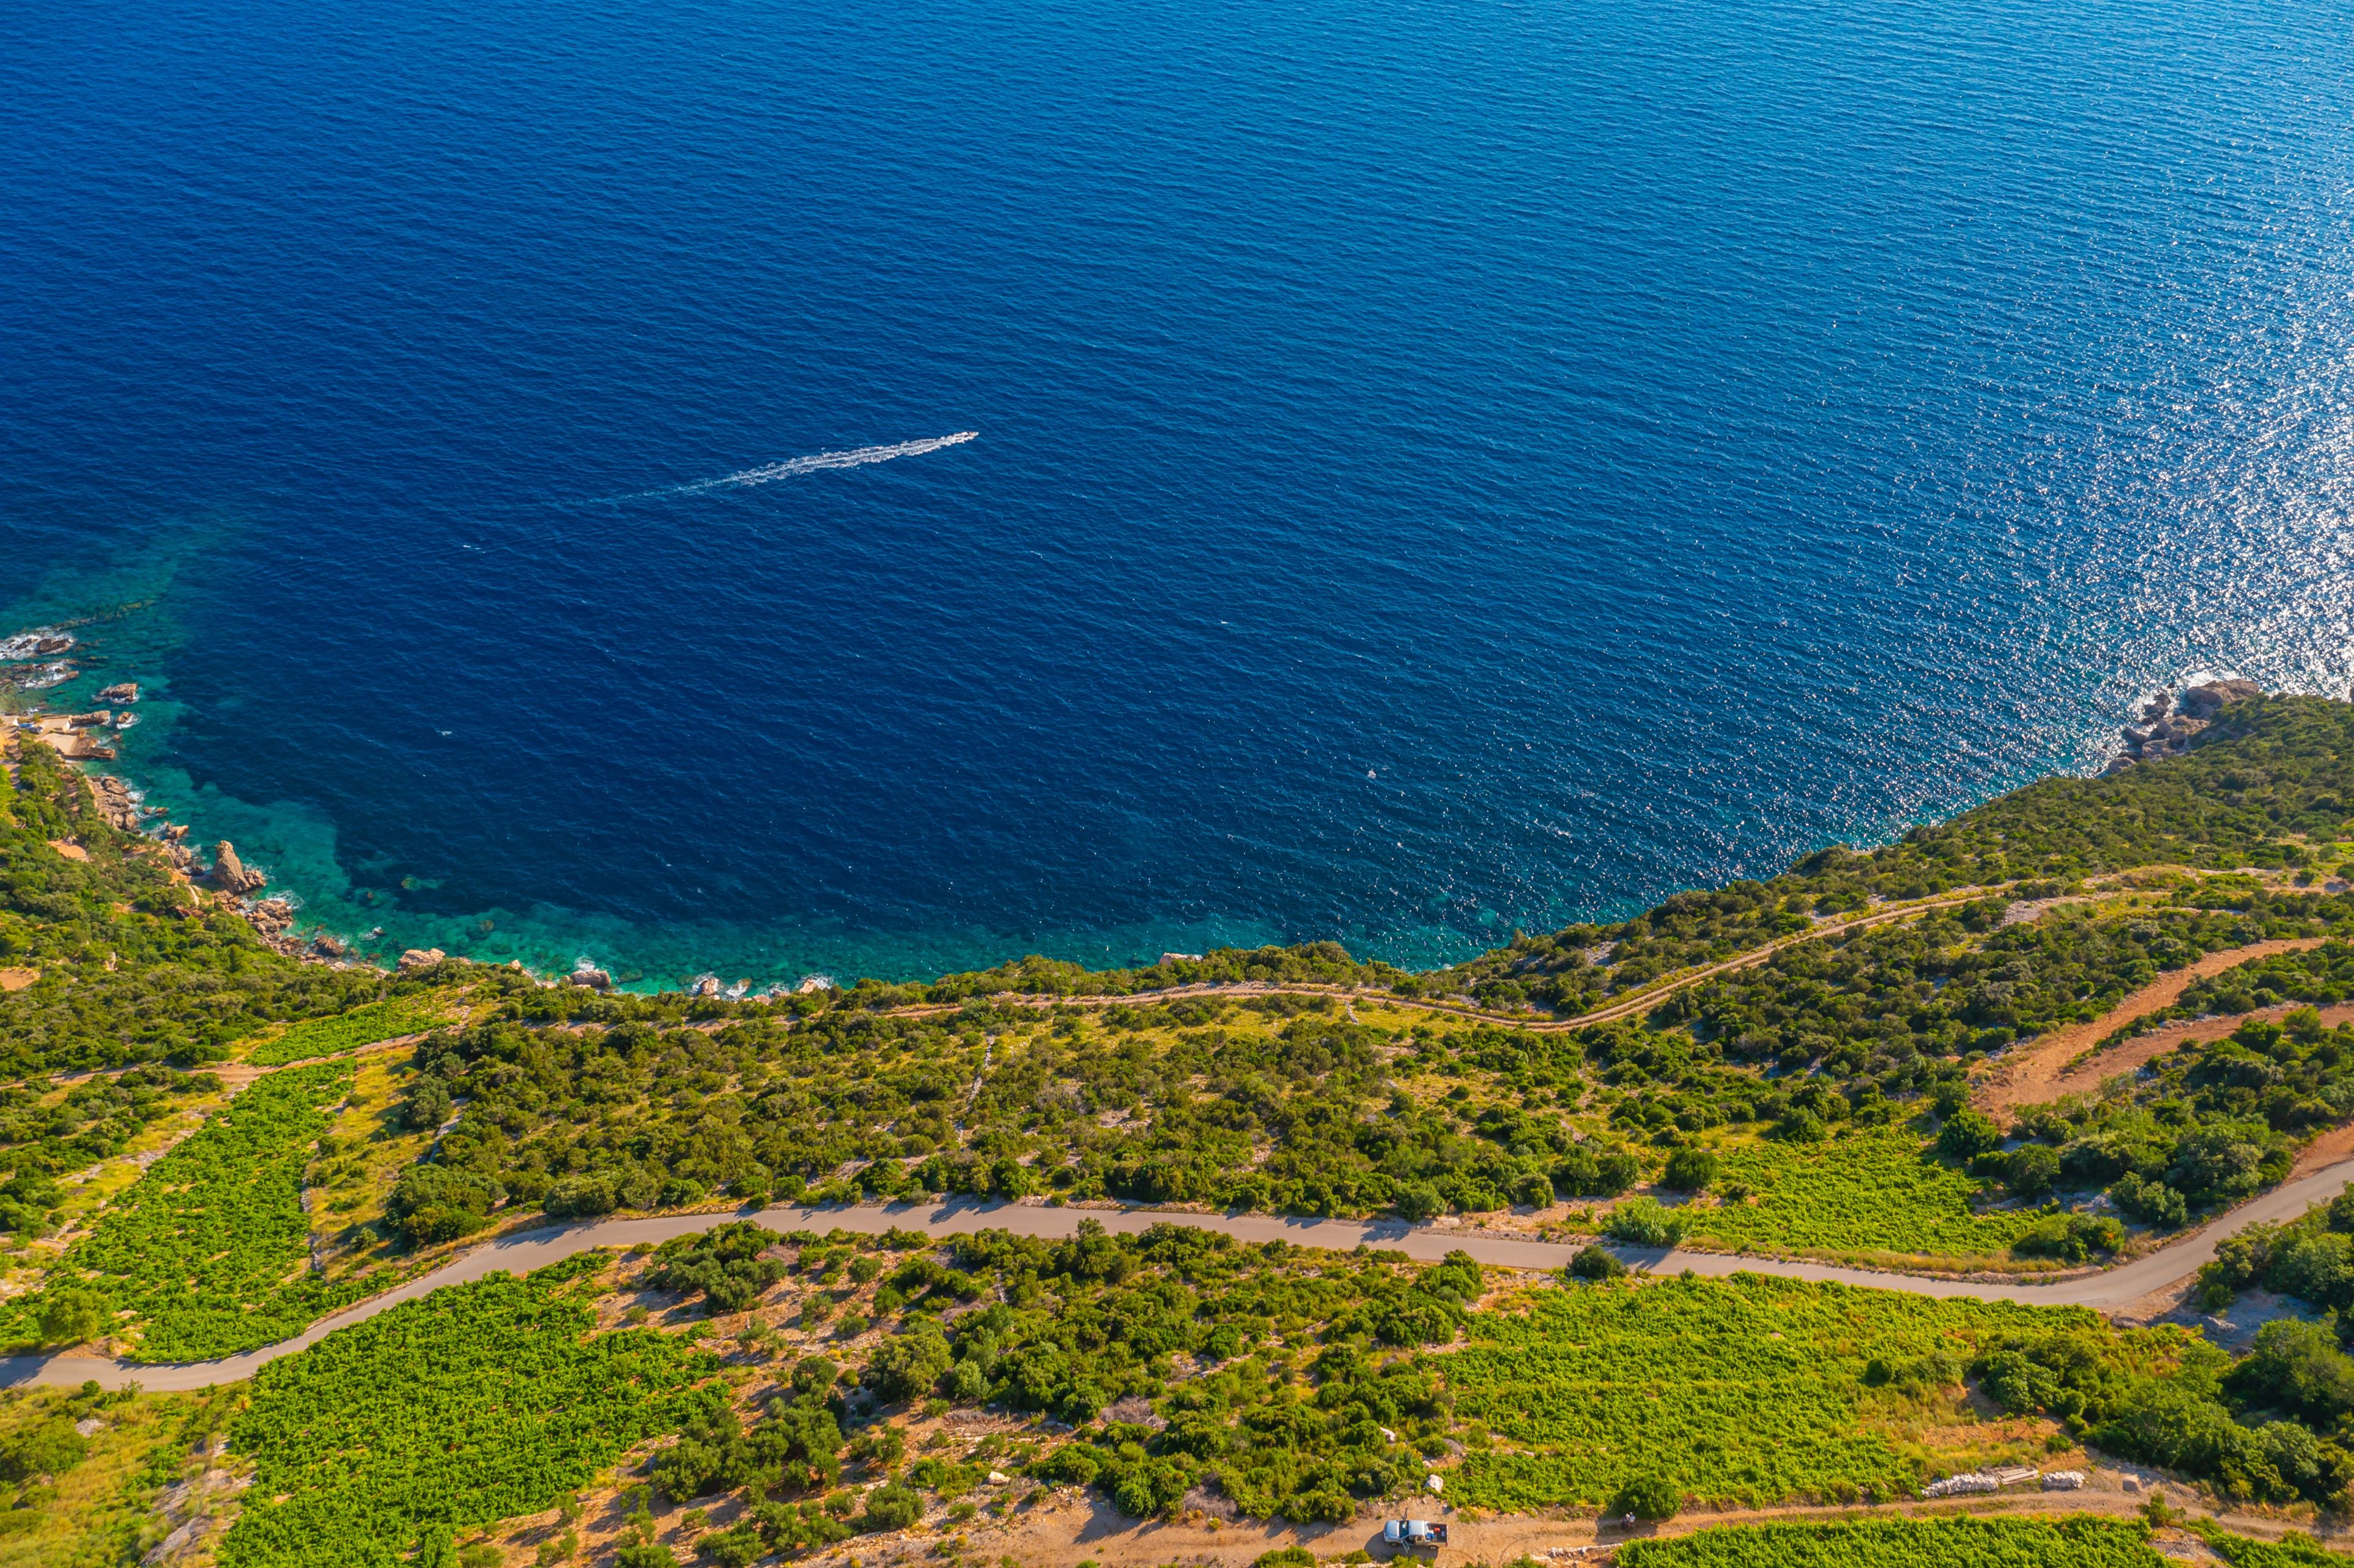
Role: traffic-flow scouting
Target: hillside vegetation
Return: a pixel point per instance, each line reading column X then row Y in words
column 847, row 1386
column 1814, row 1102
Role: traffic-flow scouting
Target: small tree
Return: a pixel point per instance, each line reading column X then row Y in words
column 72, row 1315
column 1968, row 1134
column 909, row 1366
column 1419, row 1200
column 2031, row 1170
column 891, row 1507
column 1689, row 1170
column 1645, row 1222
column 1648, row 1497
column 1596, row 1263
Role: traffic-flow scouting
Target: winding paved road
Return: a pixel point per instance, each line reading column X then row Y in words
column 2107, row 1291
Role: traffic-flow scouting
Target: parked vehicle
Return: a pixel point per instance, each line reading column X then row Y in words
column 1412, row 1532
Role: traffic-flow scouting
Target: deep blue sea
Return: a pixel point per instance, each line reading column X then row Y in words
column 1438, row 467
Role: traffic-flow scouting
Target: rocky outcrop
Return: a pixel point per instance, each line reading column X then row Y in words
column 2167, row 724
column 121, row 692
column 329, row 946
column 115, row 803
column 421, row 958
column 232, row 874
column 271, row 916
column 589, row 974
column 37, row 643
column 194, row 1507
column 2205, row 702
column 702, row 985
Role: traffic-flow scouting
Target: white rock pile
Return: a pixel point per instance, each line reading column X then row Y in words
column 1992, row 1479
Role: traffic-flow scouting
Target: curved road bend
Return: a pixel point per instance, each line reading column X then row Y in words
column 2107, row 1291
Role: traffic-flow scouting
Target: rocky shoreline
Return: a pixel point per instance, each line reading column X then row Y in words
column 2168, row 724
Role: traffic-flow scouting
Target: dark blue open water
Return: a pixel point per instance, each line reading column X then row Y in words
column 1440, row 467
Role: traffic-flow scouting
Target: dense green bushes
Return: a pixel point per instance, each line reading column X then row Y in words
column 1087, row 1326
column 44, row 1134
column 477, row 1403
column 365, row 1025
column 2249, row 1429
column 1295, row 1111
column 2311, row 1258
column 1749, row 1390
column 1906, row 1544
column 1956, row 980
column 2206, row 1125
column 132, row 969
column 206, row 1252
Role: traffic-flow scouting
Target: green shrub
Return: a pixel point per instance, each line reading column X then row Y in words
column 2031, row 1170
column 2152, row 1203
column 1689, row 1170
column 1419, row 1200
column 1596, row 1263
column 1648, row 1497
column 1966, row 1134
column 2071, row 1238
column 890, row 1506
column 51, row 1448
column 1645, row 1222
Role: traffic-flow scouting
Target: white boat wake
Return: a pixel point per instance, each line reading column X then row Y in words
column 791, row 468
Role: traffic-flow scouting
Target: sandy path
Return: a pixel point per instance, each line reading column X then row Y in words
column 1074, row 1530
column 1643, row 1001
column 2040, row 1073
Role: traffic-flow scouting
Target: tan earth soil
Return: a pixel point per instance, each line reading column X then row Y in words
column 2034, row 1076
column 1065, row 1533
column 2132, row 1055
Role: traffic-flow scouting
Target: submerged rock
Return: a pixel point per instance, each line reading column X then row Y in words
column 121, row 692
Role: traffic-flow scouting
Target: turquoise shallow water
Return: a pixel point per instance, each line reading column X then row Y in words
column 1436, row 470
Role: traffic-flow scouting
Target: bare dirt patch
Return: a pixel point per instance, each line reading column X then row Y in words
column 2041, row 1072
column 2132, row 1055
